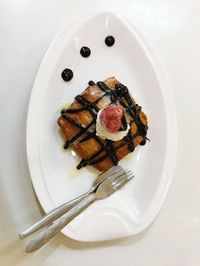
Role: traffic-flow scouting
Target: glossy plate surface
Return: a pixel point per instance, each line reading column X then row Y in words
column 53, row 170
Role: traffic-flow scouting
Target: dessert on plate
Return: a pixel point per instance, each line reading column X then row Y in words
column 103, row 124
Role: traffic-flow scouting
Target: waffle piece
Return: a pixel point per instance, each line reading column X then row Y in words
column 78, row 123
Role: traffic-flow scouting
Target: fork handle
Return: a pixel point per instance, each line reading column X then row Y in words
column 43, row 237
column 52, row 216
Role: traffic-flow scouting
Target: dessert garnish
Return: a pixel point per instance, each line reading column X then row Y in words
column 109, row 40
column 111, row 123
column 85, row 51
column 67, row 74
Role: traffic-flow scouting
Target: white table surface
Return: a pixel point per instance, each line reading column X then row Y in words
column 26, row 30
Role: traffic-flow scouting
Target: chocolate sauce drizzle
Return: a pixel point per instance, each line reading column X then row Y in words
column 119, row 94
column 109, row 40
column 85, row 51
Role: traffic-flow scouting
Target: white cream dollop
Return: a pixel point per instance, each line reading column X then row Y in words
column 104, row 134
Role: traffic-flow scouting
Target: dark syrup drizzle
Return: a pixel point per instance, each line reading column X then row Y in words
column 124, row 123
column 120, row 94
column 67, row 74
column 85, row 51
column 109, row 40
column 91, row 83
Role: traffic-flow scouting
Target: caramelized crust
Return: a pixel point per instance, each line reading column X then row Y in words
column 95, row 146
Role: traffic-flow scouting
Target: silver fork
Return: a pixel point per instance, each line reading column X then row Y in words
column 105, row 189
column 60, row 210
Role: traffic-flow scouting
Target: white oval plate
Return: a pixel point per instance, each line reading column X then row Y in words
column 53, row 170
